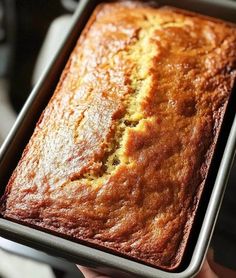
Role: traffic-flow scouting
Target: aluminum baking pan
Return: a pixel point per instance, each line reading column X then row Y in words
column 86, row 255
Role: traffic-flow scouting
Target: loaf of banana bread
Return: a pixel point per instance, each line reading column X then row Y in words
column 121, row 153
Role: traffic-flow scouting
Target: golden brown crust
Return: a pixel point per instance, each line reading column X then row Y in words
column 124, row 146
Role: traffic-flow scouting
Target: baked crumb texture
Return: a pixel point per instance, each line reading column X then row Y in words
column 120, row 155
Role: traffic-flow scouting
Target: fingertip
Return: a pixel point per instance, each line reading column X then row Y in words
column 206, row 271
column 90, row 273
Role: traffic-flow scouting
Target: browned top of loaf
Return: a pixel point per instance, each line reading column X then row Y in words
column 123, row 147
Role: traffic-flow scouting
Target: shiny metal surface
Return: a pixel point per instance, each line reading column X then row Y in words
column 79, row 253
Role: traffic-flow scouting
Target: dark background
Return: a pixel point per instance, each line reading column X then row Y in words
column 26, row 23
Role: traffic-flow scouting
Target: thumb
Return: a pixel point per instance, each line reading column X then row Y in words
column 89, row 273
column 206, row 271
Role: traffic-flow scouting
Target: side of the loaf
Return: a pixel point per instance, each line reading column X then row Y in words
column 124, row 146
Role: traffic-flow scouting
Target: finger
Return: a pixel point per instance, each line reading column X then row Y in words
column 206, row 271
column 89, row 273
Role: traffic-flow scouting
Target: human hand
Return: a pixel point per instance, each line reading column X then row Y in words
column 89, row 273
column 206, row 271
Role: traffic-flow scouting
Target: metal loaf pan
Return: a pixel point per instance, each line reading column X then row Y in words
column 105, row 262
